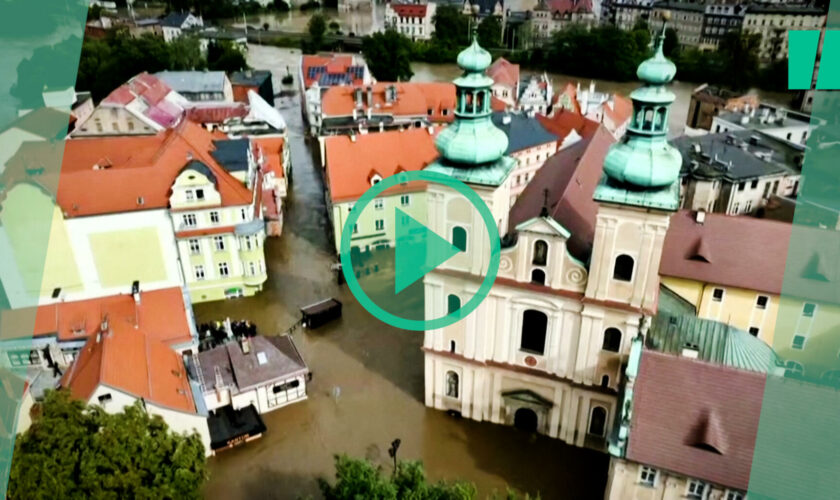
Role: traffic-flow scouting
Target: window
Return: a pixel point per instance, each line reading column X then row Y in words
column 459, row 238
column 195, row 247
column 696, row 489
column 647, row 476
column 540, row 253
column 452, row 384
column 199, row 194
column 717, row 294
column 105, row 398
column 130, row 125
column 623, row 270
column 733, row 495
column 741, row 186
column 247, row 242
column 452, row 346
column 534, row 324
column 285, row 386
column 199, row 272
column 243, row 214
column 453, row 303
column 754, row 184
column 605, row 380
column 798, row 342
column 379, row 203
column 761, row 302
column 189, row 220
column 598, row 421
column 25, row 357
column 538, row 276
column 219, row 242
column 612, row 340
column 252, row 267
column 736, row 208
column 808, row 310
column 355, row 228
column 223, row 270
column 380, row 224
column 214, row 217
column 754, row 331
column 189, row 195
column 405, row 200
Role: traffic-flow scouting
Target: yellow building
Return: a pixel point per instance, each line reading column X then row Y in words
column 355, row 163
column 739, row 270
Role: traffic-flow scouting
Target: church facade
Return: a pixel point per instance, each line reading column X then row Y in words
column 546, row 349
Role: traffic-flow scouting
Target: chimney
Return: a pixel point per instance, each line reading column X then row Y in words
column 370, row 97
column 700, row 217
column 591, row 88
column 357, row 93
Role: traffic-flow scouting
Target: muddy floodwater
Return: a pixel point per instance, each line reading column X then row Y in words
column 367, row 384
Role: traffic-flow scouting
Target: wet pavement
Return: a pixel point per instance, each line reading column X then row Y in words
column 367, row 385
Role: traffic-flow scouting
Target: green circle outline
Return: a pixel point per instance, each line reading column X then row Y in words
column 416, row 324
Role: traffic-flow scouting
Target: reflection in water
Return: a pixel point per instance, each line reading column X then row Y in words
column 367, row 385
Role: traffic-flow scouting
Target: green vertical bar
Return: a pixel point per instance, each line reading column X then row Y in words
column 797, row 452
column 40, row 42
column 803, row 54
column 828, row 77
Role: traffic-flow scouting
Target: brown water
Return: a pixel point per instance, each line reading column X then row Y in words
column 367, row 384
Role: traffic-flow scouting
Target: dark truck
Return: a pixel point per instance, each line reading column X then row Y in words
column 319, row 313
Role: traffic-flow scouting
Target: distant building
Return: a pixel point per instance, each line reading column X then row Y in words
column 613, row 111
column 484, row 8
column 784, row 124
column 385, row 106
column 691, row 433
column 144, row 105
column 536, row 94
column 238, row 39
column 174, row 24
column 317, row 73
column 773, row 21
column 720, row 19
column 685, row 17
column 529, row 143
column 735, row 173
column 199, row 86
column 357, row 162
column 257, row 80
column 551, row 16
column 505, row 77
column 626, row 13
column 150, row 26
column 413, row 19
column 708, row 101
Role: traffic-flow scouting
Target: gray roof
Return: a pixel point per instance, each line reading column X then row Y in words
column 241, row 372
column 779, row 8
column 232, row 154
column 522, row 131
column 201, row 168
column 175, row 19
column 194, row 81
column 734, row 156
column 788, row 118
column 254, row 77
column 715, row 342
column 697, row 7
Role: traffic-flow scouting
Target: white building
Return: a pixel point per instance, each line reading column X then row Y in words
column 773, row 21
column 784, row 124
column 174, row 24
column 413, row 19
column 536, row 94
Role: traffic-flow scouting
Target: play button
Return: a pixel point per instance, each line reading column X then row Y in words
column 393, row 262
column 418, row 250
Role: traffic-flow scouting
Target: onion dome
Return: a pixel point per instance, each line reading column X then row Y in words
column 474, row 58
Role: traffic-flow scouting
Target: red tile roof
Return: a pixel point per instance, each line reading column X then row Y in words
column 272, row 149
column 695, row 418
column 112, row 174
column 497, row 104
column 620, row 111
column 350, row 165
column 162, row 312
column 565, row 121
column 504, row 72
column 571, row 176
column 409, row 10
column 335, row 64
column 742, row 252
column 413, row 99
column 569, row 6
column 217, row 114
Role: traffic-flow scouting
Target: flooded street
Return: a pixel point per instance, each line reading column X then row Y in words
column 367, row 384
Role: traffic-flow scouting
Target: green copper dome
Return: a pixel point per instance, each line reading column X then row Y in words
column 643, row 168
column 472, row 139
column 474, row 58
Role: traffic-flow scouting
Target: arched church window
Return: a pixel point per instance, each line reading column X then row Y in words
column 534, row 324
column 612, row 340
column 453, row 303
column 452, row 384
column 469, row 102
column 598, row 421
column 459, row 238
column 648, row 125
column 540, row 253
column 660, row 118
column 479, row 106
column 623, row 270
column 538, row 276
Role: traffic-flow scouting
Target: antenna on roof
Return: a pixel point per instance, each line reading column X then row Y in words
column 544, row 211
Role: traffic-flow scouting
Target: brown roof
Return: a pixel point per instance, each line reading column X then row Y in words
column 504, row 72
column 695, row 418
column 571, row 176
column 735, row 251
column 564, row 121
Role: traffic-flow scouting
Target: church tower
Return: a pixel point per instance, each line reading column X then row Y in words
column 637, row 195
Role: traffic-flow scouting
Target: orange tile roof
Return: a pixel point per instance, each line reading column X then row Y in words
column 413, row 99
column 350, row 165
column 620, row 111
column 162, row 313
column 129, row 360
column 114, row 174
column 272, row 149
column 564, row 121
column 439, row 96
column 504, row 72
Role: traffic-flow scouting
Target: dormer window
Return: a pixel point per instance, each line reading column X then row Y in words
column 375, row 179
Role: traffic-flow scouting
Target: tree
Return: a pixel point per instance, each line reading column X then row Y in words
column 77, row 451
column 451, row 26
column 222, row 55
column 388, row 55
column 739, row 59
column 185, row 52
column 316, row 28
column 490, row 32
column 671, row 43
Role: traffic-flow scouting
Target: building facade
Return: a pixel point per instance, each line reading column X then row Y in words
column 686, row 18
column 773, row 21
column 412, row 19
column 174, row 24
column 318, row 73
column 707, row 102
column 544, row 351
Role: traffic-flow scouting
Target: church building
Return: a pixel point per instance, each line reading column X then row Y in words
column 546, row 349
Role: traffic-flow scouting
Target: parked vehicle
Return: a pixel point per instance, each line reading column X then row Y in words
column 319, row 313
